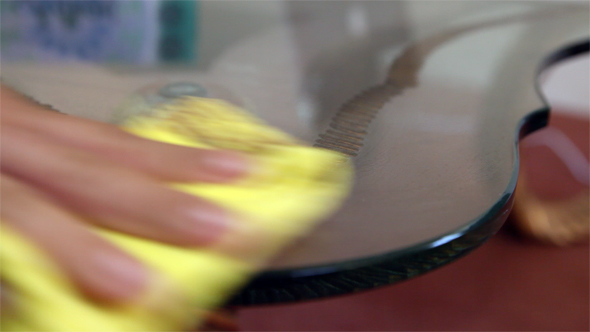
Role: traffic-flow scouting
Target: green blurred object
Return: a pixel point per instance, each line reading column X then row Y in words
column 178, row 30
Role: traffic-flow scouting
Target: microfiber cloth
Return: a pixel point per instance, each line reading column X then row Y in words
column 297, row 187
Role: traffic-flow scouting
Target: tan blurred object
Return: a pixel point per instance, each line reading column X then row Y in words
column 560, row 223
column 220, row 320
column 552, row 200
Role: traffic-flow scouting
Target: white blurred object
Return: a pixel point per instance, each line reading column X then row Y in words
column 565, row 149
column 567, row 86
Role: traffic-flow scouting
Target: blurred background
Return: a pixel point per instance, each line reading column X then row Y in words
column 511, row 283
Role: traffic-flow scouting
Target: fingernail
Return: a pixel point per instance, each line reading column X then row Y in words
column 245, row 241
column 225, row 163
column 126, row 275
column 166, row 299
column 208, row 224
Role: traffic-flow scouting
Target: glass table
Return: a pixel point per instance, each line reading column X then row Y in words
column 429, row 98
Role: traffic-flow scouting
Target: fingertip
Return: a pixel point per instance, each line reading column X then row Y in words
column 225, row 165
column 112, row 276
column 206, row 224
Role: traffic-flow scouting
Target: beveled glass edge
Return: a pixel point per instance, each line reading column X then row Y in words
column 318, row 281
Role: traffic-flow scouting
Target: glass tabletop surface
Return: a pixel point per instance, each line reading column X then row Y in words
column 428, row 98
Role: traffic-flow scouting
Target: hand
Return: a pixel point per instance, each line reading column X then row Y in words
column 60, row 173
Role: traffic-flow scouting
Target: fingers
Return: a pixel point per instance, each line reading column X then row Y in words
column 165, row 161
column 111, row 195
column 99, row 269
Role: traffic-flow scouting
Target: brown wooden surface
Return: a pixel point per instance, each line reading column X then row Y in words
column 510, row 283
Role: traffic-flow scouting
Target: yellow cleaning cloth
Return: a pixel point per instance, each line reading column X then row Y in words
column 297, row 187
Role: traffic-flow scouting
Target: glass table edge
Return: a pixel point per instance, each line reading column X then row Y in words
column 312, row 282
